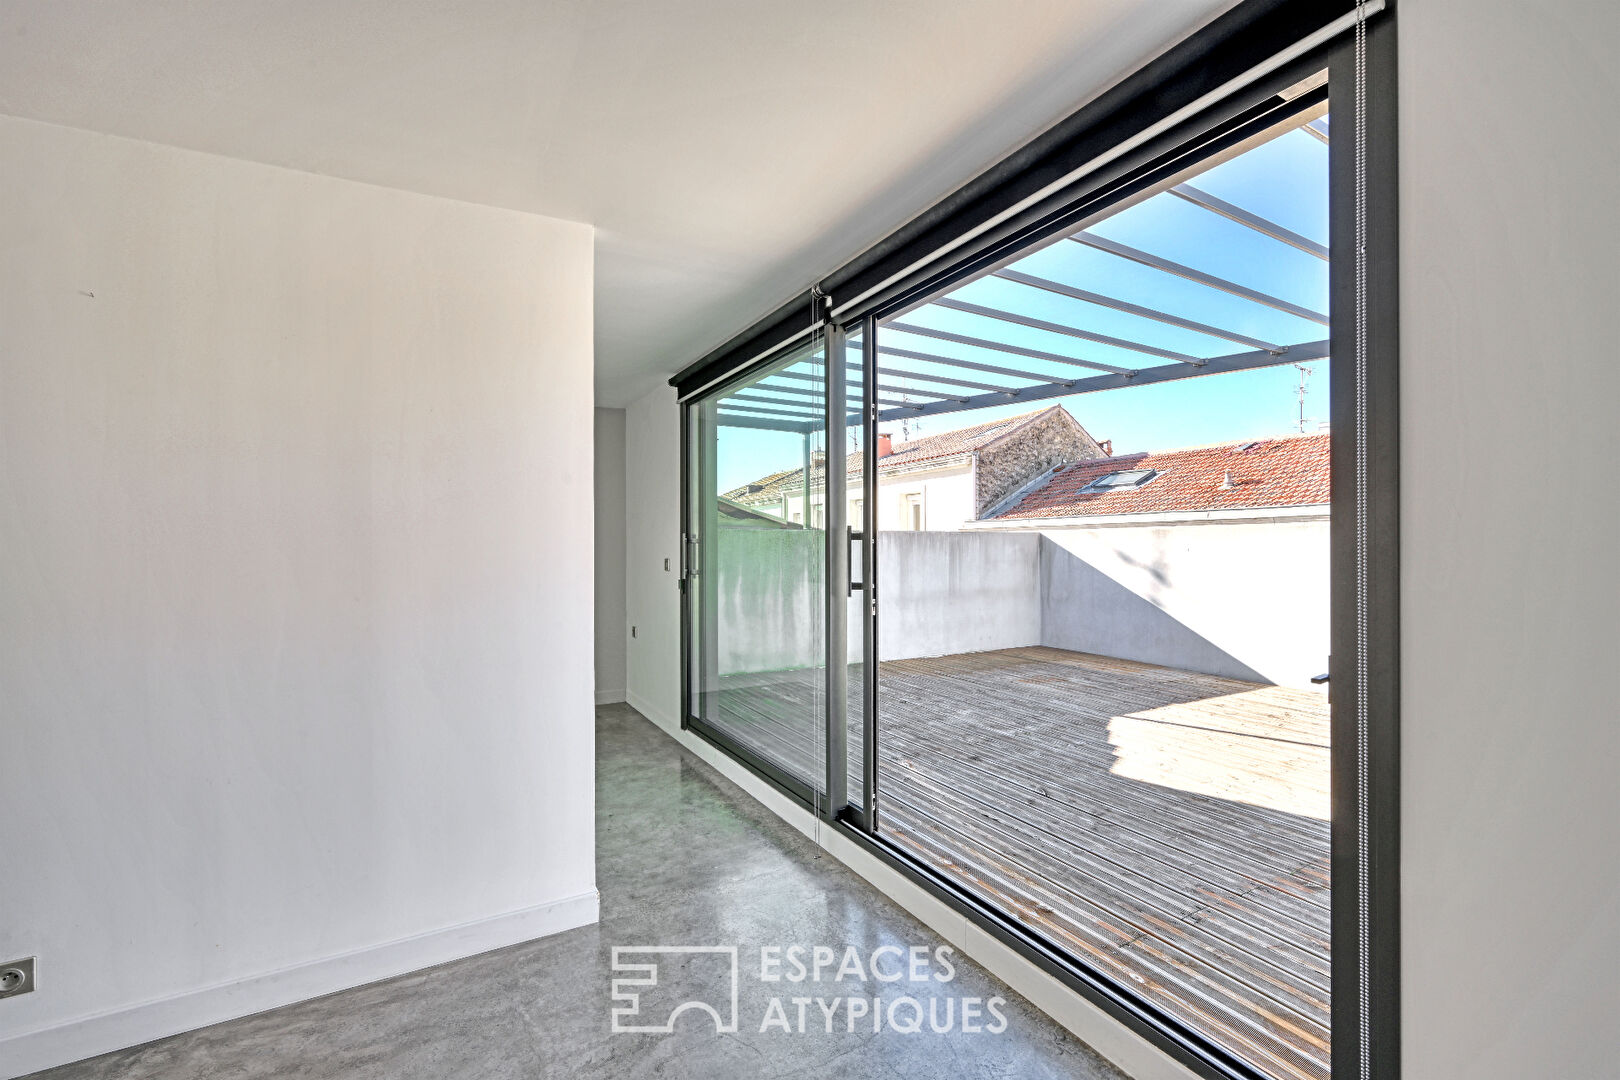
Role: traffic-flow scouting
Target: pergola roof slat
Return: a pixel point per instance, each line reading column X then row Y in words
column 1129, row 308
column 855, row 384
column 1002, row 346
column 1010, row 391
column 911, row 354
column 1060, row 328
column 784, row 402
column 1253, row 221
column 797, row 390
column 1244, row 361
column 1124, row 251
column 763, row 418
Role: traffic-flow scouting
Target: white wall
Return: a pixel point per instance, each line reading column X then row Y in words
column 1246, row 600
column 612, row 632
column 944, row 593
column 1511, row 600
column 294, row 651
column 1243, row 599
column 653, row 534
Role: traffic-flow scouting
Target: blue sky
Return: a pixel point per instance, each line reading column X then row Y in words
column 1283, row 180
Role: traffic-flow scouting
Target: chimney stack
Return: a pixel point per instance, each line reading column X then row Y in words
column 885, row 446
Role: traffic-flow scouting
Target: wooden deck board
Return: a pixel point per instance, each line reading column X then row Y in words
column 1167, row 826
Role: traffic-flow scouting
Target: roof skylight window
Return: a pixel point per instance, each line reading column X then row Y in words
column 1123, row 480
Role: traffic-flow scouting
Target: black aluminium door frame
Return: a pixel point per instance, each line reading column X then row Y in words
column 1365, row 575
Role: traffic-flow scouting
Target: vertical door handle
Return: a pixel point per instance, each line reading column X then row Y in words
column 853, row 538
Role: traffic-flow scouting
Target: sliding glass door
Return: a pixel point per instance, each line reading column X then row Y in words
column 1099, row 489
column 1025, row 578
column 755, row 567
column 1022, row 570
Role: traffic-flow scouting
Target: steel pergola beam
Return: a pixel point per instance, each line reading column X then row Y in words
column 1253, row 221
column 773, row 388
column 1011, row 391
column 1002, row 346
column 1129, row 308
column 1061, row 328
column 727, row 418
column 855, row 384
column 911, row 354
column 760, row 410
column 796, row 390
column 853, row 396
column 792, row 403
column 1112, row 247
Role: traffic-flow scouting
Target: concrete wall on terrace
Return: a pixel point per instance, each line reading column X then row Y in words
column 1243, row 600
column 1249, row 601
column 769, row 599
column 943, row 593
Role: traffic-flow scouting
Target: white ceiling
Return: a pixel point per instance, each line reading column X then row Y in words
column 728, row 151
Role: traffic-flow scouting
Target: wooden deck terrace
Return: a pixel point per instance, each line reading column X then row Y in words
column 1167, row 827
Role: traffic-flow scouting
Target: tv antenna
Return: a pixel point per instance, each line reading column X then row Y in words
column 1305, row 372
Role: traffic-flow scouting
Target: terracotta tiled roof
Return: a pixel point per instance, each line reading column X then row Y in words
column 928, row 448
column 1287, row 471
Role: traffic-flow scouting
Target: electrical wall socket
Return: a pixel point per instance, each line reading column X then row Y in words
column 16, row 977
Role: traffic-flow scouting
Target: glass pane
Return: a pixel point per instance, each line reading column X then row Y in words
column 1104, row 564
column 757, row 598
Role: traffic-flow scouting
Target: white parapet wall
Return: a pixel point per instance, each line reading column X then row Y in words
column 1243, row 598
column 1247, row 599
column 942, row 593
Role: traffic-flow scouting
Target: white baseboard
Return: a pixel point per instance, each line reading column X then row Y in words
column 658, row 716
column 609, row 697
column 114, row 1030
column 1134, row 1055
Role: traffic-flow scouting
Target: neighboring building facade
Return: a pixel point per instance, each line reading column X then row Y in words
column 938, row 482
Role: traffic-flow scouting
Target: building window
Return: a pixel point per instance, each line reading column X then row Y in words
column 913, row 509
column 856, row 507
column 818, row 516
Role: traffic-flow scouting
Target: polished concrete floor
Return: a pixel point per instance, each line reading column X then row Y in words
column 683, row 858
